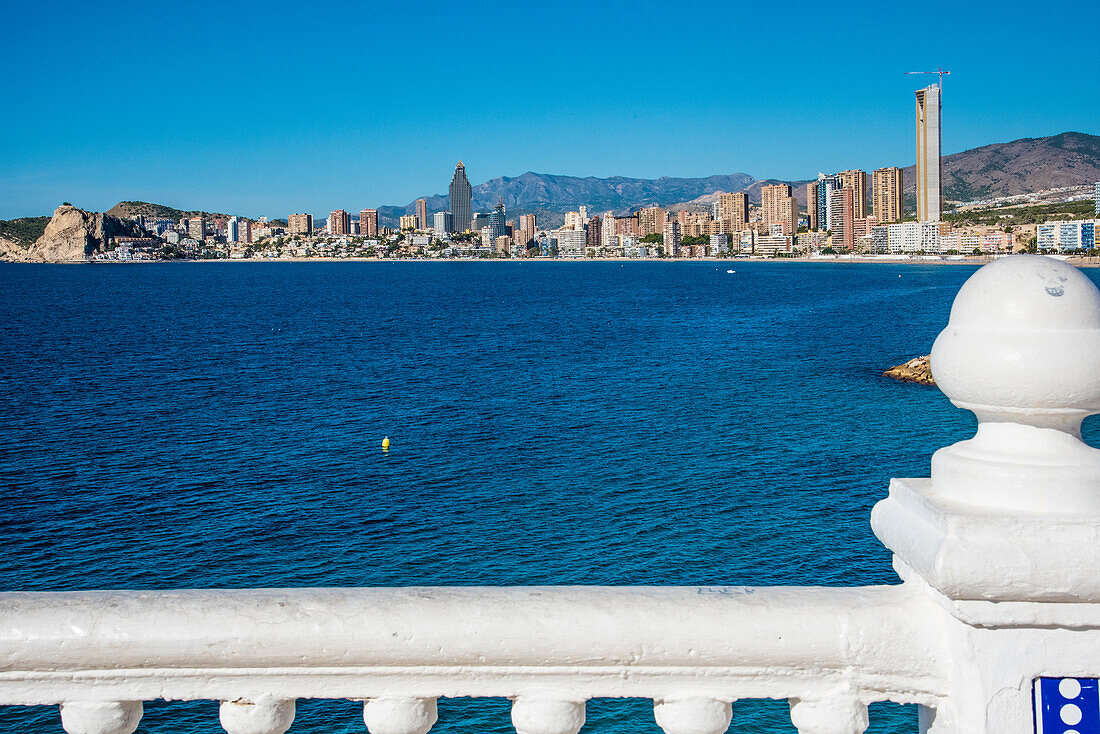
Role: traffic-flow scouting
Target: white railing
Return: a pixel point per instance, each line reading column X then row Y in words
column 999, row 553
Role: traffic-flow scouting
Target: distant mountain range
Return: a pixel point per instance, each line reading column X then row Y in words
column 550, row 195
column 1000, row 169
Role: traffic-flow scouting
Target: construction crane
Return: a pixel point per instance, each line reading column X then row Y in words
column 939, row 70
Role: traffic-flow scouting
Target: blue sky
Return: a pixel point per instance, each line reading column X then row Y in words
column 264, row 108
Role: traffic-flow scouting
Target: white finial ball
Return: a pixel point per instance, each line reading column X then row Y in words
column 1023, row 344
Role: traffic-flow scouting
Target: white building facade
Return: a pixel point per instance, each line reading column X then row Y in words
column 1066, row 236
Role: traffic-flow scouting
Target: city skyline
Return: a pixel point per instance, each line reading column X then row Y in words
column 163, row 134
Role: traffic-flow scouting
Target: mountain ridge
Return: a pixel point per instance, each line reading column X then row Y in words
column 1018, row 166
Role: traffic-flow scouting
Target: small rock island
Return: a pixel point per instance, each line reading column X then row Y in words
column 917, row 370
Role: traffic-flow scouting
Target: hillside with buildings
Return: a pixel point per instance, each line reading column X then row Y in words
column 1018, row 167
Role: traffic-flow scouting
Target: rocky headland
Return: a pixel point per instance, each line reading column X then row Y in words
column 918, row 369
column 71, row 235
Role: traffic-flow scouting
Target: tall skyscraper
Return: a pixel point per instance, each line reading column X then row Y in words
column 461, row 199
column 1097, row 195
column 671, row 231
column 527, row 229
column 778, row 206
column 233, row 230
column 300, row 223
column 826, row 185
column 811, row 203
column 593, row 230
column 929, row 203
column 733, row 210
column 847, row 222
column 421, row 214
column 497, row 224
column 856, row 180
column 368, row 222
column 886, row 193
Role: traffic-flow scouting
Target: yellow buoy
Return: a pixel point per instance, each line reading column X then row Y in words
column 386, row 443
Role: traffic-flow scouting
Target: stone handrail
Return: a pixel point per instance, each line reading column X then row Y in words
column 999, row 554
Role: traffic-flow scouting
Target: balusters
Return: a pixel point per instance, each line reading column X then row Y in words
column 693, row 715
column 547, row 715
column 101, row 717
column 837, row 715
column 399, row 715
column 264, row 716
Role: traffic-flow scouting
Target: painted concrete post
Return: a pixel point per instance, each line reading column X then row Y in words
column 1004, row 538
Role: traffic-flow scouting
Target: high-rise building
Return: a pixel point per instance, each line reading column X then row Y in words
column 929, row 204
column 497, row 224
column 671, row 231
column 811, row 204
column 339, row 222
column 733, row 210
column 421, row 214
column 527, row 229
column 1097, row 195
column 232, row 230
column 856, row 180
column 651, row 220
column 608, row 230
column 886, row 194
column 835, row 210
column 461, row 194
column 778, row 206
column 407, row 221
column 196, row 228
column 443, row 223
column 826, row 185
column 594, row 232
column 368, row 222
column 847, row 221
column 300, row 224
column 245, row 230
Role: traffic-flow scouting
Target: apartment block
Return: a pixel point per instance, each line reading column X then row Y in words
column 886, row 194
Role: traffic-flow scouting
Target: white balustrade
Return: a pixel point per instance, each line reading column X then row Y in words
column 998, row 552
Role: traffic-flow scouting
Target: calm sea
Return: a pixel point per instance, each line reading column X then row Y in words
column 219, row 425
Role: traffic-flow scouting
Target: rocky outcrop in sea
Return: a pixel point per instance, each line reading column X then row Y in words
column 918, row 369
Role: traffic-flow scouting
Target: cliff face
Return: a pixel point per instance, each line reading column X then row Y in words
column 74, row 235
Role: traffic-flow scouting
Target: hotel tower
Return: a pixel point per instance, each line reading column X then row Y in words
column 928, row 154
column 461, row 194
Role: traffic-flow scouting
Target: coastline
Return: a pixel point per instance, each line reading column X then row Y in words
column 1080, row 262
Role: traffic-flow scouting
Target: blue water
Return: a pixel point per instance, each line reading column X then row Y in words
column 219, row 425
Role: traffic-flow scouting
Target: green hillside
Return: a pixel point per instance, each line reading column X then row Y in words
column 126, row 209
column 23, row 231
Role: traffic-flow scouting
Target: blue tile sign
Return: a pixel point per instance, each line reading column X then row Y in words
column 1067, row 706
